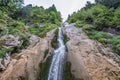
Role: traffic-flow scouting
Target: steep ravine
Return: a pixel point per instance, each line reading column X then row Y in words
column 25, row 65
column 89, row 59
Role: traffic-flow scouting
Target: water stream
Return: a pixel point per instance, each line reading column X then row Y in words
column 56, row 67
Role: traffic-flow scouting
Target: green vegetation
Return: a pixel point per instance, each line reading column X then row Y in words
column 97, row 15
column 41, row 31
column 37, row 15
column 117, row 78
column 22, row 78
column 54, row 40
column 4, row 51
column 46, row 53
column 44, row 68
column 24, row 21
column 67, row 75
column 65, row 38
column 116, row 44
column 97, row 18
column 10, row 5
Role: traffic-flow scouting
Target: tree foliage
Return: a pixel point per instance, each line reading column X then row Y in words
column 30, row 14
column 99, row 15
column 10, row 5
column 110, row 3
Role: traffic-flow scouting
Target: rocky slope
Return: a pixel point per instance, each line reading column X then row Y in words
column 25, row 65
column 90, row 60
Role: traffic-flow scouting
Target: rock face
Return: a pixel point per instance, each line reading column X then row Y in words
column 90, row 60
column 33, row 40
column 11, row 41
column 25, row 65
column 4, row 62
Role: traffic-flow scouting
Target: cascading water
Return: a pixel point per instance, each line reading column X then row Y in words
column 56, row 67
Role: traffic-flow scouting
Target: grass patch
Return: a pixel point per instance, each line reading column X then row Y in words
column 54, row 40
column 67, row 75
column 2, row 21
column 84, row 25
column 41, row 31
column 65, row 38
column 115, row 41
column 117, row 78
column 22, row 78
column 17, row 25
column 44, row 69
column 102, row 37
column 4, row 51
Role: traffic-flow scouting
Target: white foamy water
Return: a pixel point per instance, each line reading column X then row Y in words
column 56, row 68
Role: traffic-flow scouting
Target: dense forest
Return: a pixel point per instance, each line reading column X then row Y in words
column 24, row 21
column 101, row 21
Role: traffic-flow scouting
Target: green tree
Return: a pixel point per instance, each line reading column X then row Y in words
column 110, row 3
column 10, row 5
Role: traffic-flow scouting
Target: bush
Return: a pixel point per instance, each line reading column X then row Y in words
column 2, row 16
column 84, row 25
column 17, row 25
column 105, row 20
column 2, row 21
column 41, row 31
column 4, row 51
column 103, row 37
column 116, row 44
column 116, row 18
column 25, row 43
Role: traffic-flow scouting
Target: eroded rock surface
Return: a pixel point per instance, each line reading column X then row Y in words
column 25, row 65
column 33, row 40
column 90, row 60
column 11, row 41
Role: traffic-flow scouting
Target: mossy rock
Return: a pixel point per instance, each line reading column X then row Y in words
column 44, row 69
column 67, row 75
column 22, row 78
column 54, row 40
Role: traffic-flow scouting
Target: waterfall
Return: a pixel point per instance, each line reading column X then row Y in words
column 56, row 67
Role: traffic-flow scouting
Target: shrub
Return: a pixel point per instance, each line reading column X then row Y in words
column 41, row 31
column 4, row 51
column 2, row 16
column 116, row 44
column 88, row 26
column 79, row 23
column 116, row 18
column 2, row 21
column 84, row 25
column 103, row 37
column 17, row 25
column 25, row 43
